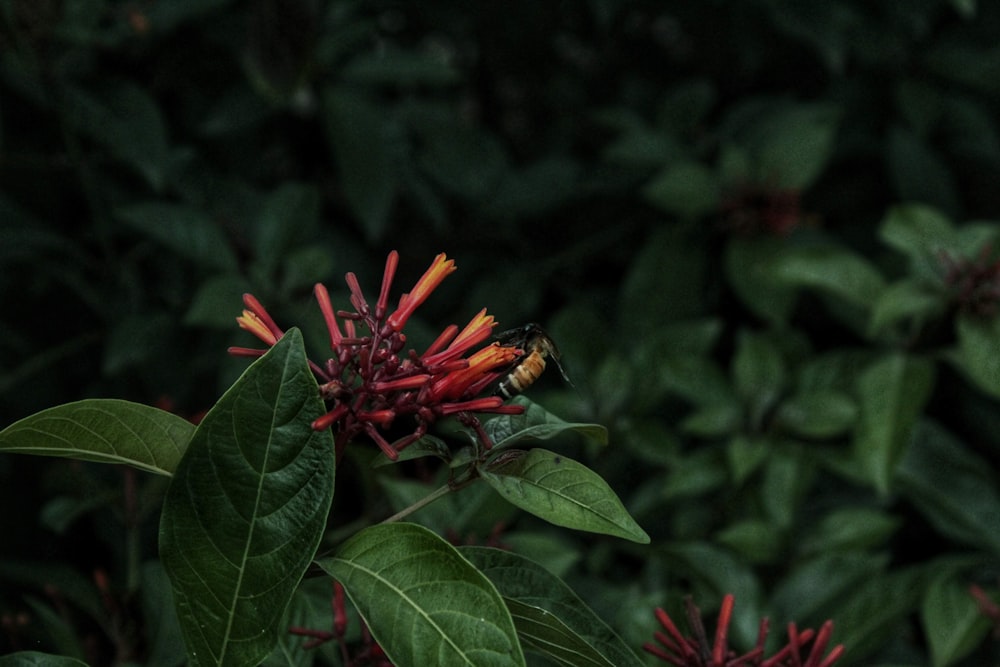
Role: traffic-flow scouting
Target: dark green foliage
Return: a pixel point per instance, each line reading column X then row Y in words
column 763, row 234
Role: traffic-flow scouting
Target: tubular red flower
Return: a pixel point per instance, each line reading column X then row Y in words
column 485, row 404
column 695, row 652
column 391, row 262
column 438, row 271
column 323, row 299
column 722, row 629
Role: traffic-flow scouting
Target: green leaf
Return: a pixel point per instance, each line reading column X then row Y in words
column 952, row 620
column 548, row 615
column 695, row 378
column 713, row 421
column 286, row 218
column 952, row 487
column 664, row 283
column 247, row 507
column 30, row 658
column 891, row 396
column 103, row 430
column 214, row 303
column 794, row 145
column 879, row 608
column 832, row 270
column 758, row 373
column 813, row 587
column 536, row 423
column 850, row 529
column 359, row 132
column 756, row 540
column 188, row 231
column 748, row 265
column 163, row 632
column 561, row 491
column 978, row 352
column 817, row 414
column 905, row 302
column 423, row 602
column 128, row 122
column 918, row 231
column 688, row 190
column 399, row 67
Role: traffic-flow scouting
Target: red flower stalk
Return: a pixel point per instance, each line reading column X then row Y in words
column 371, row 383
column 696, row 652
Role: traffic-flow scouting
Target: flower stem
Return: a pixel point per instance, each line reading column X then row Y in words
column 423, row 502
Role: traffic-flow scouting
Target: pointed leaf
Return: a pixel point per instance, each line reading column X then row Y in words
column 188, row 231
column 548, row 615
column 561, row 491
column 103, row 430
column 246, row 509
column 952, row 620
column 891, row 395
column 832, row 270
column 536, row 423
column 423, row 602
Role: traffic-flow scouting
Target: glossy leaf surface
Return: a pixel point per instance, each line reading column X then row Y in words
column 246, row 509
column 423, row 602
column 103, row 430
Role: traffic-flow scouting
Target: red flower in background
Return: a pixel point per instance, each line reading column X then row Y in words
column 371, row 382
column 697, row 652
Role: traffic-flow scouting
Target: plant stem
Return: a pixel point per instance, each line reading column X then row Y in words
column 423, row 502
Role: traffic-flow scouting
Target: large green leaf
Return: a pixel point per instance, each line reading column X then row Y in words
column 246, row 509
column 423, row 602
column 103, row 430
column 537, row 423
column 561, row 491
column 891, row 395
column 549, row 616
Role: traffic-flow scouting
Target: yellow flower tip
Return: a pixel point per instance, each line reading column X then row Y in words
column 433, row 276
column 250, row 322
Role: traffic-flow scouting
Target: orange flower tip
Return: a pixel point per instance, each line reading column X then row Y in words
column 427, row 283
column 250, row 321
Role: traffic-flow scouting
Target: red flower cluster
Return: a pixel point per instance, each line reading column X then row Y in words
column 687, row 652
column 371, row 382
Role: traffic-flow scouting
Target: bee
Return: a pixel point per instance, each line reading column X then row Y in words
column 537, row 348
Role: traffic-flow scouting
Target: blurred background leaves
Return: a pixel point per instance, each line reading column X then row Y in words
column 762, row 234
